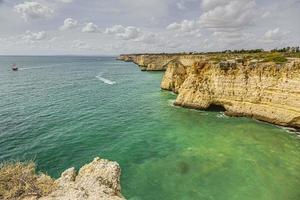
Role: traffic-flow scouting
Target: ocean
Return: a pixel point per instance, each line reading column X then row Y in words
column 62, row 111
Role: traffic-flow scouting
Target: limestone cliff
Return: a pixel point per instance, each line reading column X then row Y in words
column 262, row 90
column 158, row 62
column 98, row 180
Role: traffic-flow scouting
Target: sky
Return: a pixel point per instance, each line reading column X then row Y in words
column 111, row 27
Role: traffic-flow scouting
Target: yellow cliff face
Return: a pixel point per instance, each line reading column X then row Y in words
column 264, row 91
column 260, row 90
column 158, row 62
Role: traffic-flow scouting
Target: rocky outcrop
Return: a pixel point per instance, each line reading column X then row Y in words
column 158, row 62
column 98, row 180
column 262, row 90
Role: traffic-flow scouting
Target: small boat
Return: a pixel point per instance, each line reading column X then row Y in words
column 14, row 67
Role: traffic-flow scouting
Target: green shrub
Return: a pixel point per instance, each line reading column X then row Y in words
column 275, row 57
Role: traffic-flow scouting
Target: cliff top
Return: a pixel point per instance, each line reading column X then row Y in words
column 99, row 179
column 243, row 56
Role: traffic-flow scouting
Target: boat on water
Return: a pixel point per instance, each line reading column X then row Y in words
column 14, row 67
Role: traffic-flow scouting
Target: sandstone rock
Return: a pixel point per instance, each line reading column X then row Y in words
column 265, row 92
column 159, row 62
column 98, row 180
column 174, row 77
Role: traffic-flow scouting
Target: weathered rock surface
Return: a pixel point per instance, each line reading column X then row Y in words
column 98, row 180
column 158, row 62
column 264, row 91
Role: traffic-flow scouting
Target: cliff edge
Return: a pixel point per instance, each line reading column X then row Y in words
column 158, row 62
column 99, row 179
column 262, row 90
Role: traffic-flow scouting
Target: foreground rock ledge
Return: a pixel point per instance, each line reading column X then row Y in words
column 99, row 179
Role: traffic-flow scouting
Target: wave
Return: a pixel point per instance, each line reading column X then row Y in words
column 171, row 102
column 104, row 80
column 291, row 130
column 222, row 115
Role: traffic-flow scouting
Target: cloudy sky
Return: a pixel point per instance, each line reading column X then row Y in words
column 111, row 27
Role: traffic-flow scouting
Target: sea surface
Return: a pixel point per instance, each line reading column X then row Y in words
column 64, row 111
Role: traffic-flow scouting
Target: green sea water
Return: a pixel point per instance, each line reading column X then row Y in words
column 64, row 111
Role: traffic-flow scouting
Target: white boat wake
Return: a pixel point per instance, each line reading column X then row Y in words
column 40, row 67
column 28, row 68
column 104, row 80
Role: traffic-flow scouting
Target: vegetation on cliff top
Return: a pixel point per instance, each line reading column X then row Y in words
column 286, row 51
column 19, row 180
column 278, row 56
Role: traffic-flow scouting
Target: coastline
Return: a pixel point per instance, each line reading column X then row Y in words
column 159, row 138
column 265, row 91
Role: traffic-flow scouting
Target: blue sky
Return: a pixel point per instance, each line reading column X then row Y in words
column 110, row 27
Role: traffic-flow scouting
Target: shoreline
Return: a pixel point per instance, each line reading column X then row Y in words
column 201, row 82
column 288, row 129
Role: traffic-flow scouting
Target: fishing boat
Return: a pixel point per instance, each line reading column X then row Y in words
column 14, row 67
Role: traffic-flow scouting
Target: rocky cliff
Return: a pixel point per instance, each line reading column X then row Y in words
column 262, row 90
column 98, row 180
column 158, row 62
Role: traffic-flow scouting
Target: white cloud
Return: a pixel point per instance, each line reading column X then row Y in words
column 65, row 1
column 134, row 34
column 90, row 28
column 210, row 25
column 32, row 36
column 186, row 28
column 227, row 15
column 149, row 38
column 275, row 35
column 235, row 38
column 78, row 44
column 124, row 33
column 33, row 10
column 69, row 23
column 227, row 19
column 28, row 37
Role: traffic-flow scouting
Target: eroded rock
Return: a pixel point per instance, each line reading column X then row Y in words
column 265, row 91
column 99, row 179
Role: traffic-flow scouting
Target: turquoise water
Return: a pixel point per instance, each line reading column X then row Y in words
column 64, row 111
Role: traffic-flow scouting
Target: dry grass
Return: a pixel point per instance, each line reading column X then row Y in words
column 19, row 180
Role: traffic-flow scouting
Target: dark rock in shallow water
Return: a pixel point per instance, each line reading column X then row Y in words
column 183, row 167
